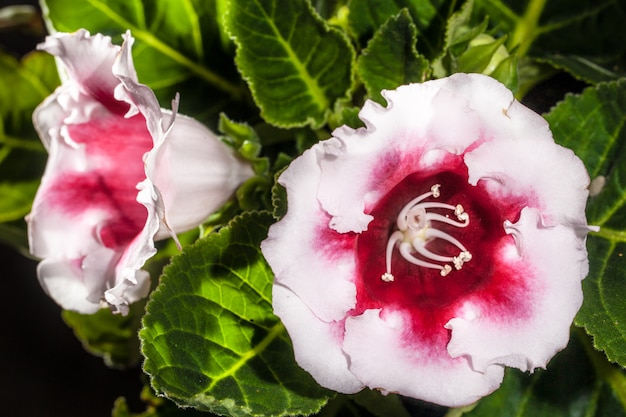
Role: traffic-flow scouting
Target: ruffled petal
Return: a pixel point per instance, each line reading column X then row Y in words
column 88, row 60
column 383, row 357
column 317, row 344
column 554, row 261
column 131, row 282
column 554, row 179
column 408, row 135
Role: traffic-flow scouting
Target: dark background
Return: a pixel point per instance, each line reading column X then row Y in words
column 44, row 370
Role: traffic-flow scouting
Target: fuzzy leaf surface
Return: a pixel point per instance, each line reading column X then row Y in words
column 297, row 66
column 366, row 16
column 210, row 338
column 593, row 124
column 391, row 59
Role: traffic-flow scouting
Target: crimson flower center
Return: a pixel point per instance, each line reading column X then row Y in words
column 431, row 243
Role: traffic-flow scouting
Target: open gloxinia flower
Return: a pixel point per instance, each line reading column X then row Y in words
column 121, row 172
column 422, row 254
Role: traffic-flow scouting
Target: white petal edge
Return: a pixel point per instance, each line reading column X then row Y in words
column 296, row 254
column 317, row 344
column 537, row 167
column 381, row 360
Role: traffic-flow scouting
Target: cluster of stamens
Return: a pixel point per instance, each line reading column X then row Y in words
column 415, row 230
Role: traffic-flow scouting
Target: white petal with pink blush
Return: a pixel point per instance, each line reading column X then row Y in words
column 121, row 173
column 433, row 247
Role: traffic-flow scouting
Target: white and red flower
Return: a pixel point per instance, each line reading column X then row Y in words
column 427, row 251
column 121, row 172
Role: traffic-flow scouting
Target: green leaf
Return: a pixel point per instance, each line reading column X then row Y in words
column 371, row 403
column 584, row 37
column 593, row 124
column 176, row 39
column 366, row 16
column 254, row 194
column 577, row 382
column 460, row 31
column 244, row 139
column 297, row 66
column 16, row 199
column 478, row 57
column 346, row 115
column 468, row 49
column 507, row 72
column 279, row 200
column 391, row 59
column 23, row 85
column 110, row 336
column 328, row 8
column 210, row 338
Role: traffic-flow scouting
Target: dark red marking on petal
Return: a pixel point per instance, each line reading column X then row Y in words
column 331, row 244
column 123, row 216
column 114, row 149
column 122, row 141
column 107, row 99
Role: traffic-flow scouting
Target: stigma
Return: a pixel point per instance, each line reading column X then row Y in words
column 416, row 226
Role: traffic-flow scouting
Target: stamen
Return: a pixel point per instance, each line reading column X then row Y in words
column 415, row 230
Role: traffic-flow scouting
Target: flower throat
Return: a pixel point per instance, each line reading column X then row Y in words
column 416, row 227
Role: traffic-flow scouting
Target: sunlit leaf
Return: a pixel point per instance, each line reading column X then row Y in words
column 296, row 65
column 391, row 59
column 210, row 338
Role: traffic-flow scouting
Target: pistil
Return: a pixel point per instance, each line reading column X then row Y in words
column 416, row 228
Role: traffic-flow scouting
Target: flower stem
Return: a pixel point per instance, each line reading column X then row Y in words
column 526, row 29
column 21, row 144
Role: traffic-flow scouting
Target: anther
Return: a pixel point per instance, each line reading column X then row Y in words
column 460, row 213
column 387, row 277
column 463, row 257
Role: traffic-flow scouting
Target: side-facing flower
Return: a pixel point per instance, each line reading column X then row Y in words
column 121, row 172
column 427, row 251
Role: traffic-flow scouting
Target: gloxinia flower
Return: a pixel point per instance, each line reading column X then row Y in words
column 121, row 172
column 422, row 254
